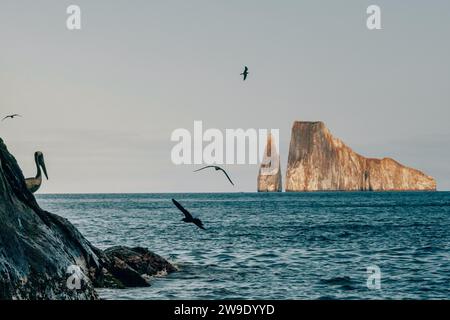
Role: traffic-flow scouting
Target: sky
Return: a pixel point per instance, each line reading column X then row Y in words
column 101, row 102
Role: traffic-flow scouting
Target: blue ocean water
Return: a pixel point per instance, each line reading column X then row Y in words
column 276, row 246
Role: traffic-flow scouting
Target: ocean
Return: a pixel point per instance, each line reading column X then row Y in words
column 276, row 245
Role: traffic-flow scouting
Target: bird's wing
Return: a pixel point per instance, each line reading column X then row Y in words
column 228, row 177
column 5, row 118
column 199, row 223
column 16, row 115
column 180, row 207
column 246, row 69
column 245, row 76
column 204, row 168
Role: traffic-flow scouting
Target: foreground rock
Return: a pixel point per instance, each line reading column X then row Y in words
column 135, row 266
column 41, row 252
column 269, row 176
column 318, row 161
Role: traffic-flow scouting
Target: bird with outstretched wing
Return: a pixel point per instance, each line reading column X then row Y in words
column 12, row 116
column 188, row 216
column 217, row 169
column 245, row 73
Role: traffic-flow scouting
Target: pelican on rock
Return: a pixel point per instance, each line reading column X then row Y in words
column 33, row 184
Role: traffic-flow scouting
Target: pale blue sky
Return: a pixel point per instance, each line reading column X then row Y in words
column 102, row 102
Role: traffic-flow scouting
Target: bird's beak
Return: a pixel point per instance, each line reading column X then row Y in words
column 43, row 167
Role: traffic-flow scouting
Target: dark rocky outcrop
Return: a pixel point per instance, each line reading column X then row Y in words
column 37, row 248
column 269, row 176
column 319, row 161
column 135, row 266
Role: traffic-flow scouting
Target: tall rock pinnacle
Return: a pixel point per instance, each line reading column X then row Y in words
column 269, row 176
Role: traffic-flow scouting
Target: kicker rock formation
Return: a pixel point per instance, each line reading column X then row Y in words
column 269, row 177
column 318, row 161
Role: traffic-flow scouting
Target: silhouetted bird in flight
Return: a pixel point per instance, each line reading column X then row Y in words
column 12, row 116
column 217, row 168
column 188, row 217
column 245, row 73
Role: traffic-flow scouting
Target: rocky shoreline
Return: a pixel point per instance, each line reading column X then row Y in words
column 43, row 256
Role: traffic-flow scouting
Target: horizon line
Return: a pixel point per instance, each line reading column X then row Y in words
column 240, row 192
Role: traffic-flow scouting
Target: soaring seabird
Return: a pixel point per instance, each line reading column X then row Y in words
column 188, row 217
column 12, row 116
column 217, row 168
column 33, row 184
column 245, row 73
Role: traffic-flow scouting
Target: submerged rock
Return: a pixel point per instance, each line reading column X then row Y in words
column 269, row 176
column 135, row 266
column 319, row 161
column 41, row 253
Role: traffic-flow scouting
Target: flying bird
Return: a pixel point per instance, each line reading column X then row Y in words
column 12, row 116
column 217, row 169
column 245, row 73
column 188, row 217
column 33, row 184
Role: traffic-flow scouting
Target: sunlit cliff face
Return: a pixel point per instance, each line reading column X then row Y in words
column 318, row 161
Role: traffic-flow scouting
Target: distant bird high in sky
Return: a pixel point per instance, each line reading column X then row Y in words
column 12, row 116
column 33, row 184
column 217, row 169
column 188, row 217
column 245, row 73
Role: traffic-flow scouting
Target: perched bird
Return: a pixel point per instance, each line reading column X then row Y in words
column 245, row 73
column 188, row 217
column 217, row 168
column 12, row 116
column 33, row 184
